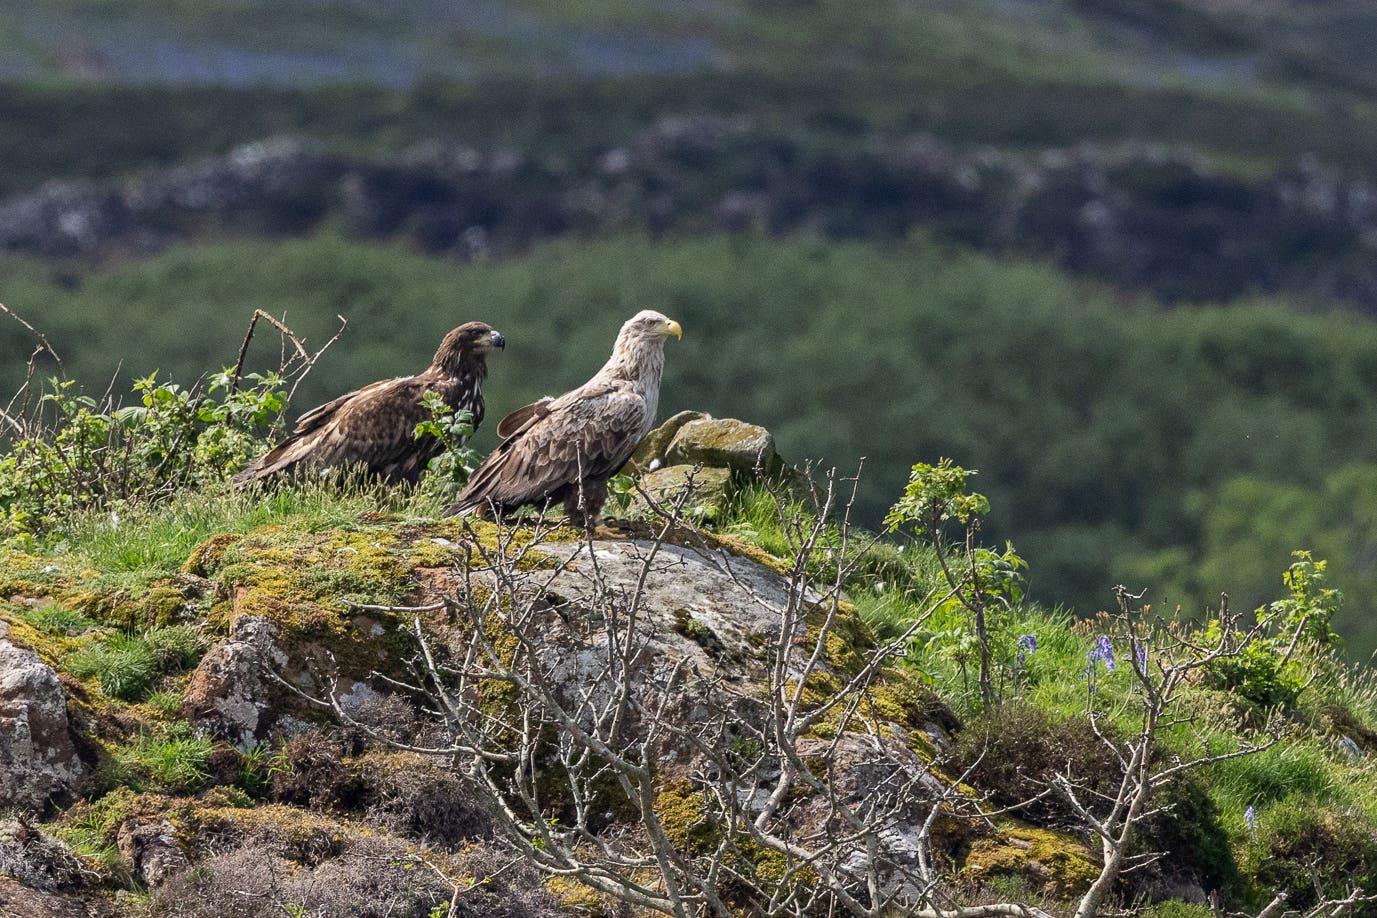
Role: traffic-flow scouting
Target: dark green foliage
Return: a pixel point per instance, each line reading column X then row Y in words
column 1016, row 748
column 1190, row 829
column 1304, row 848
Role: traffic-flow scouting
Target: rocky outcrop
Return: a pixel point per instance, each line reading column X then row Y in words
column 709, row 490
column 153, row 851
column 726, row 444
column 650, row 455
column 38, row 760
column 707, row 457
column 1139, row 216
column 229, row 693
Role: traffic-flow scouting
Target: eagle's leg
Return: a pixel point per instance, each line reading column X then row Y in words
column 583, row 503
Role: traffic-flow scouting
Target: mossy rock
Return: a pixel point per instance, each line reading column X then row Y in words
column 683, row 814
column 653, row 447
column 725, row 443
column 580, row 899
column 1054, row 863
column 206, row 557
column 710, row 495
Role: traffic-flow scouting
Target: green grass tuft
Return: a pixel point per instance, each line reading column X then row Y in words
column 122, row 663
column 56, row 619
column 175, row 761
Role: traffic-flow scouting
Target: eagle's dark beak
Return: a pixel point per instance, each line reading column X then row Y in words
column 496, row 340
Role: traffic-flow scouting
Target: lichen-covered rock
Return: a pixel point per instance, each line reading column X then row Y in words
column 650, row 455
column 710, row 488
column 733, row 602
column 35, row 858
column 153, row 850
column 228, row 695
column 724, row 443
column 38, row 759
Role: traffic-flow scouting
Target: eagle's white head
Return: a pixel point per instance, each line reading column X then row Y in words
column 650, row 325
column 639, row 354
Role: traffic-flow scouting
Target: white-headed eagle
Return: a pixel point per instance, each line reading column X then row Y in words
column 374, row 428
column 565, row 449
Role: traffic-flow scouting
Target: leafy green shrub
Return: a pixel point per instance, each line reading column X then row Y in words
column 78, row 453
column 449, row 471
column 1258, row 674
column 980, row 580
column 1266, row 670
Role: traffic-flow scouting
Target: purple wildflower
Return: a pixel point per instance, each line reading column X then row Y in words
column 1250, row 817
column 1103, row 652
column 1028, row 643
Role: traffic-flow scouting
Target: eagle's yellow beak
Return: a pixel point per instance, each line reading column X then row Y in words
column 672, row 328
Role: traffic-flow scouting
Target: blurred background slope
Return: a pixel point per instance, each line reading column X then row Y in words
column 1118, row 256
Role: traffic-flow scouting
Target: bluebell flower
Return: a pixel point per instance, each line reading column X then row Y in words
column 1103, row 652
column 1250, row 817
column 1028, row 644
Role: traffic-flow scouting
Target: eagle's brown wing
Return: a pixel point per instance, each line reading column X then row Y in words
column 522, row 416
column 372, row 427
column 584, row 434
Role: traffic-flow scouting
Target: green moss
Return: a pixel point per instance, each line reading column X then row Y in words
column 770, row 867
column 50, row 646
column 162, row 605
column 683, row 814
column 1055, row 863
column 748, row 550
column 207, row 557
column 578, row 898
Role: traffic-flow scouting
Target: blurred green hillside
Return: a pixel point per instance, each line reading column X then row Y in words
column 94, row 88
column 1185, row 448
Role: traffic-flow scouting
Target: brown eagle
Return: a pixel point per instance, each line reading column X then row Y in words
column 374, row 427
column 565, row 449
